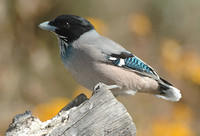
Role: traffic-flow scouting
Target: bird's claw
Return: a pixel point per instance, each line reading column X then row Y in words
column 104, row 87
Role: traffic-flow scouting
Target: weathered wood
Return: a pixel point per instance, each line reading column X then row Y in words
column 101, row 115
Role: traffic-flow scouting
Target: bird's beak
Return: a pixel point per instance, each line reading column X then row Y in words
column 47, row 26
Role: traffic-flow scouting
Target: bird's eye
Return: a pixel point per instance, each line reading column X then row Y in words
column 66, row 25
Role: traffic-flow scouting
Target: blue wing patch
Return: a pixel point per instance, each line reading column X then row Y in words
column 134, row 63
column 137, row 64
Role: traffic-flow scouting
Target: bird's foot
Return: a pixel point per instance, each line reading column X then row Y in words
column 103, row 86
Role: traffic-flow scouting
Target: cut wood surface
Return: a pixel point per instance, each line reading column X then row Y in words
column 101, row 115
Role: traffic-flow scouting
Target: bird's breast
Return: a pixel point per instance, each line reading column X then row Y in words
column 82, row 68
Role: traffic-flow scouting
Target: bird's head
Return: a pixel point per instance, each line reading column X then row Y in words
column 69, row 27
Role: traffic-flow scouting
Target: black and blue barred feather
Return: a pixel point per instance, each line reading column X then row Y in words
column 137, row 64
column 129, row 61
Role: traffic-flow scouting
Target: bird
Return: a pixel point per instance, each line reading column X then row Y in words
column 92, row 58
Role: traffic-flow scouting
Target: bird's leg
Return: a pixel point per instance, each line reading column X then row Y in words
column 104, row 87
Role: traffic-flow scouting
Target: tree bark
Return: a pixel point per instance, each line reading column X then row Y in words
column 101, row 115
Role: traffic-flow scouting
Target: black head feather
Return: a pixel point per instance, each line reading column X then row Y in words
column 71, row 26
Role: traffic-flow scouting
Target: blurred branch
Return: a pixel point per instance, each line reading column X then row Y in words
column 102, row 114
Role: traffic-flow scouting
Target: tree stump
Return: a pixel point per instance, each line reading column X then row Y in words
column 101, row 115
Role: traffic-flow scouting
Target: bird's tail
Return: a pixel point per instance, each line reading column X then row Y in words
column 168, row 92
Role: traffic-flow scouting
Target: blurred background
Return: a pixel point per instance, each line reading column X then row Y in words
column 165, row 34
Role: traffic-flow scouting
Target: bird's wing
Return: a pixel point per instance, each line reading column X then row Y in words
column 132, row 63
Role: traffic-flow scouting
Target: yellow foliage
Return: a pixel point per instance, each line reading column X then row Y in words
column 191, row 66
column 179, row 62
column 195, row 76
column 171, row 53
column 99, row 25
column 164, row 128
column 182, row 113
column 48, row 110
column 140, row 24
column 171, row 50
column 175, row 124
column 80, row 90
